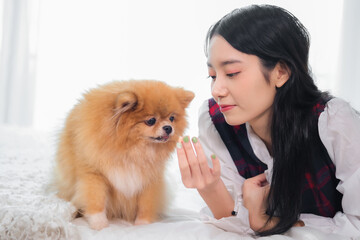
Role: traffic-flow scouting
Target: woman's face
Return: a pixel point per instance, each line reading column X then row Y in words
column 239, row 85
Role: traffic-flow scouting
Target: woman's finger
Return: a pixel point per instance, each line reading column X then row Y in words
column 192, row 160
column 203, row 164
column 216, row 165
column 266, row 190
column 259, row 179
column 183, row 165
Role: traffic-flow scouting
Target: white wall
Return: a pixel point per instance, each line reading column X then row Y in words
column 84, row 43
column 348, row 76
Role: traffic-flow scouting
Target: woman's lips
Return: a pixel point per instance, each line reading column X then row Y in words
column 224, row 108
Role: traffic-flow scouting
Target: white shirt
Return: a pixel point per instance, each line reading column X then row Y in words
column 339, row 130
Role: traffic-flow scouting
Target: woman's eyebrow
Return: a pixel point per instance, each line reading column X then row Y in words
column 222, row 64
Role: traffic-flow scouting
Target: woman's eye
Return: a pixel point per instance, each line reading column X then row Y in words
column 213, row 77
column 150, row 122
column 232, row 74
column 172, row 118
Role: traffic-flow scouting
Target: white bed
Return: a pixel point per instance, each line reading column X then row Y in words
column 29, row 211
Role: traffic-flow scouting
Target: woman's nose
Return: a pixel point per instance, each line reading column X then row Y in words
column 218, row 88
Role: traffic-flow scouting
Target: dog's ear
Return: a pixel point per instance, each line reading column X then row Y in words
column 185, row 97
column 125, row 101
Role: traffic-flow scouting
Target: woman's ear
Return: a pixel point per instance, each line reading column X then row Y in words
column 281, row 73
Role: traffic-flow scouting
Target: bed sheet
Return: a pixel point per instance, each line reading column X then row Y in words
column 29, row 208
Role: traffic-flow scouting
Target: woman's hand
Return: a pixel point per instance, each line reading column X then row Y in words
column 194, row 168
column 255, row 192
column 196, row 173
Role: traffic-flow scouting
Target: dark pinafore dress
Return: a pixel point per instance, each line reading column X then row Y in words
column 319, row 194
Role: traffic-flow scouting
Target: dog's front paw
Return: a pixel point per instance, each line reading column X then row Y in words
column 97, row 221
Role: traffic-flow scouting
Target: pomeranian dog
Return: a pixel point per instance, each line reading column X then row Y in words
column 113, row 149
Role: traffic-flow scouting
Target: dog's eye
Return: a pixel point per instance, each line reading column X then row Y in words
column 172, row 118
column 150, row 122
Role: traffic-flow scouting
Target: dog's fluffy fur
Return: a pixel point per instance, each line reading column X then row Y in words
column 113, row 149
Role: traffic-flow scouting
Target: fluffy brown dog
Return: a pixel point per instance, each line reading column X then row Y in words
column 112, row 152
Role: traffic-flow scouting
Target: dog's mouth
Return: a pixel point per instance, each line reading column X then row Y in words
column 164, row 138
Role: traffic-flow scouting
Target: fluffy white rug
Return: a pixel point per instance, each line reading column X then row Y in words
column 27, row 209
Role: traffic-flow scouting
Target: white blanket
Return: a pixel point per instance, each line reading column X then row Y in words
column 28, row 210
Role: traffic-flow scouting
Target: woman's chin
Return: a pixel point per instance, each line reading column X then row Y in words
column 232, row 121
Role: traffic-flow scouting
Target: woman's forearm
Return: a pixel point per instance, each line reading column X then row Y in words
column 218, row 200
column 259, row 221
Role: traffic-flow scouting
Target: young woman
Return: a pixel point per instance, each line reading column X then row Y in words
column 283, row 153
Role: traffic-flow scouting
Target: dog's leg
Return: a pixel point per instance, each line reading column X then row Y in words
column 92, row 196
column 150, row 203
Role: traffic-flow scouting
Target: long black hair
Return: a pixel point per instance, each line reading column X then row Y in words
column 276, row 36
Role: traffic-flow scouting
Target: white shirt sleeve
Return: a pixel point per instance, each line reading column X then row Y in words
column 339, row 130
column 213, row 144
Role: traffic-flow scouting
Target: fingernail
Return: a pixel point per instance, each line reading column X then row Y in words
column 186, row 139
column 178, row 145
column 194, row 140
column 213, row 156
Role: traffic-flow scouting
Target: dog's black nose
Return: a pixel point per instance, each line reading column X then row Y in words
column 168, row 129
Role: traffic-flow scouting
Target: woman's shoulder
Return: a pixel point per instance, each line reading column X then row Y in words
column 339, row 126
column 339, row 109
column 337, row 104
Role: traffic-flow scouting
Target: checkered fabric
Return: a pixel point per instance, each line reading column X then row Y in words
column 319, row 194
